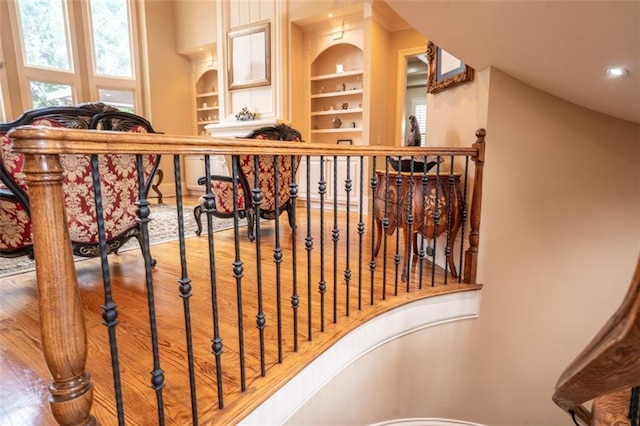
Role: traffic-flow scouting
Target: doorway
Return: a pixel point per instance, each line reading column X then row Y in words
column 412, row 90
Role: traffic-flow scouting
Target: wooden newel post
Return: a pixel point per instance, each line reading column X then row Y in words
column 62, row 327
column 471, row 255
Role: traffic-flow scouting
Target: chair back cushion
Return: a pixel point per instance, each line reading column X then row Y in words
column 118, row 177
column 266, row 167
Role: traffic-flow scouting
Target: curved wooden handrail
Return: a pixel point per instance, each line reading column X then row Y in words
column 43, row 140
column 609, row 363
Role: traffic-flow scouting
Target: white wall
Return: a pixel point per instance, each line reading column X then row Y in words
column 559, row 242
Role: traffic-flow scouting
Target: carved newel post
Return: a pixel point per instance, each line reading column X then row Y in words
column 62, row 326
column 471, row 255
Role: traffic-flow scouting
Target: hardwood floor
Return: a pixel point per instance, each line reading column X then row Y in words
column 23, row 395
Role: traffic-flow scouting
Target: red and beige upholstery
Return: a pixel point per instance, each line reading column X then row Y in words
column 118, row 178
column 222, row 186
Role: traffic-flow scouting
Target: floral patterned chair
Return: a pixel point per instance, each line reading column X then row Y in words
column 222, row 186
column 119, row 183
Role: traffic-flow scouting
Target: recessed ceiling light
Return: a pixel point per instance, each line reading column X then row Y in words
column 617, row 71
column 330, row 15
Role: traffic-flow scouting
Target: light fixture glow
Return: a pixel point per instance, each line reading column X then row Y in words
column 617, row 71
column 330, row 15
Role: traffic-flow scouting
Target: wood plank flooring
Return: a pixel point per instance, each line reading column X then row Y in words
column 23, row 394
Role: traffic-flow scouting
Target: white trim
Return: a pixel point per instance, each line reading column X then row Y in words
column 425, row 421
column 380, row 330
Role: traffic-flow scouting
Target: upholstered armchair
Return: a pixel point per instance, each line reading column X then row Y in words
column 118, row 178
column 222, row 186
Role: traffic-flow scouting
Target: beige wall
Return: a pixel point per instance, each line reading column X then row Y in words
column 196, row 22
column 559, row 243
column 170, row 87
column 399, row 40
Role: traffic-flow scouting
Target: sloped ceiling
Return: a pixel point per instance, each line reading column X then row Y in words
column 560, row 47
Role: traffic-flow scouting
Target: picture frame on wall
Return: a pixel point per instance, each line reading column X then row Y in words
column 445, row 70
column 249, row 51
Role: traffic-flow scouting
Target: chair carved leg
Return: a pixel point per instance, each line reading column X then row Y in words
column 251, row 223
column 197, row 213
column 292, row 223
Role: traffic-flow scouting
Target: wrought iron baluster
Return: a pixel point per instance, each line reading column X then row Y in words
column 261, row 320
column 109, row 308
column 335, row 237
column 277, row 255
column 347, row 271
column 295, row 298
column 184, row 289
column 409, row 241
column 308, row 245
column 238, row 268
column 423, row 224
column 436, row 222
column 322, row 286
column 360, row 232
column 396, row 256
column 385, row 226
column 634, row 406
column 157, row 374
column 372, row 263
column 216, row 341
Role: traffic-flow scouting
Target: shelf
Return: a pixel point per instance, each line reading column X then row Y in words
column 338, row 111
column 206, row 95
column 336, row 94
column 208, row 122
column 339, row 130
column 207, row 108
column 336, row 75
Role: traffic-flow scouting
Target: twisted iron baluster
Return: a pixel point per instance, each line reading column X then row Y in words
column 184, row 289
column 109, row 308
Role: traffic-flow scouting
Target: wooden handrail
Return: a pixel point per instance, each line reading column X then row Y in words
column 48, row 140
column 610, row 362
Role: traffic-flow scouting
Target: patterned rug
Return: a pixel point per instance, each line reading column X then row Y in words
column 163, row 228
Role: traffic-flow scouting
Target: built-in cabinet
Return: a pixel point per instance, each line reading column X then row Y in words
column 337, row 87
column 207, row 108
column 326, row 169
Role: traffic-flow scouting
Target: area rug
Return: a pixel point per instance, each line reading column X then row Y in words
column 162, row 228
